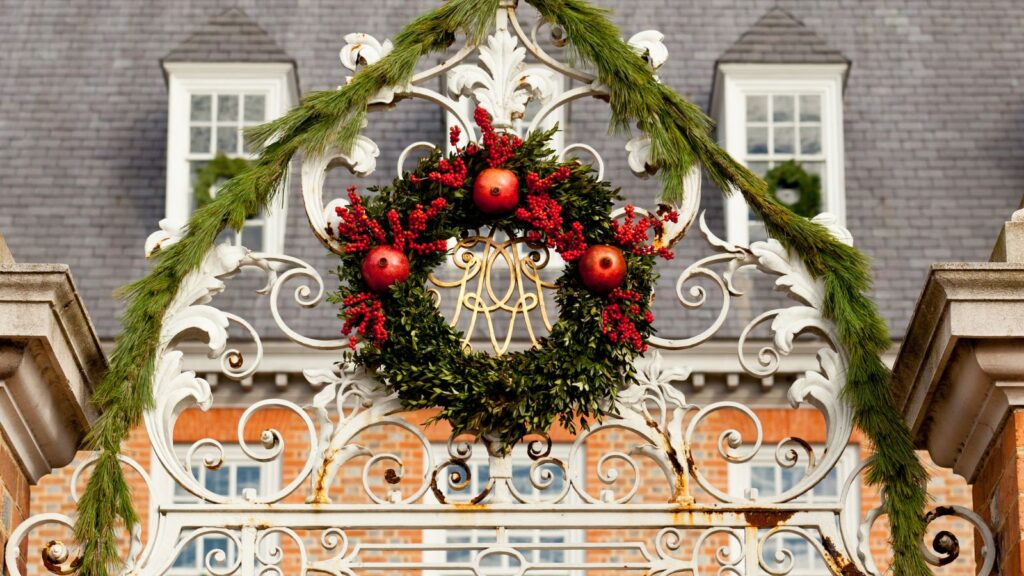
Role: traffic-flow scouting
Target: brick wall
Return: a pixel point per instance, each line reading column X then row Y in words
column 999, row 492
column 52, row 494
column 14, row 492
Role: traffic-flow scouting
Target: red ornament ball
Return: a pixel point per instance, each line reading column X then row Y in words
column 383, row 267
column 496, row 191
column 602, row 268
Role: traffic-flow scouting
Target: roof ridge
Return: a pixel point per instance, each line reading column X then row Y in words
column 230, row 35
column 778, row 36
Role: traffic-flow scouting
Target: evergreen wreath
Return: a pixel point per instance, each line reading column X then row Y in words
column 220, row 169
column 790, row 174
column 681, row 138
column 563, row 209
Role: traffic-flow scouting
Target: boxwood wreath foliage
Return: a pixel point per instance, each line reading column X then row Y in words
column 220, row 169
column 790, row 174
column 681, row 137
column 565, row 209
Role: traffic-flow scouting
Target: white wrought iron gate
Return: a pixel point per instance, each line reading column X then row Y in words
column 586, row 505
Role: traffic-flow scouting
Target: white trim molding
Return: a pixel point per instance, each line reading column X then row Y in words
column 276, row 81
column 734, row 82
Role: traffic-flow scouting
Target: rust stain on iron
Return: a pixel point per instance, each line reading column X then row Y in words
column 391, row 476
column 320, row 484
column 837, row 563
column 945, row 542
column 766, row 517
column 435, row 489
column 682, row 494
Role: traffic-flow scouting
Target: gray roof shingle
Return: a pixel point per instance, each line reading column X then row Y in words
column 779, row 38
column 933, row 128
column 230, row 36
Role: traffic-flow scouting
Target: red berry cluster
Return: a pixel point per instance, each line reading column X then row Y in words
column 544, row 215
column 361, row 233
column 454, row 133
column 357, row 229
column 449, row 173
column 619, row 319
column 631, row 234
column 537, row 185
column 499, row 148
column 415, row 225
column 364, row 314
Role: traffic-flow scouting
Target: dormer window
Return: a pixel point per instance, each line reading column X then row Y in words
column 778, row 96
column 212, row 98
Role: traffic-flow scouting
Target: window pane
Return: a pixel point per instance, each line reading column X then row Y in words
column 187, row 558
column 817, row 168
column 252, row 237
column 200, row 110
column 218, row 481
column 829, row 485
column 521, row 480
column 759, row 168
column 248, row 477
column 217, row 543
column 227, row 108
column 782, row 108
column 762, row 479
column 757, row 108
column 255, row 105
column 784, row 143
column 227, row 139
column 790, row 477
column 757, row 140
column 199, row 140
column 810, row 108
column 810, row 139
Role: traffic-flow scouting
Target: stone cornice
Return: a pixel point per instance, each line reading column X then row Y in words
column 960, row 370
column 50, row 361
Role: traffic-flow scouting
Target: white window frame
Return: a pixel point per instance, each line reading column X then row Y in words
column 559, row 450
column 740, row 480
column 164, row 485
column 734, row 82
column 275, row 80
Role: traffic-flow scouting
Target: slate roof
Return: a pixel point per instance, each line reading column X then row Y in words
column 780, row 38
column 230, row 36
column 934, row 127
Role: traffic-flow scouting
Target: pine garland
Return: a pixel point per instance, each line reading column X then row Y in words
column 681, row 137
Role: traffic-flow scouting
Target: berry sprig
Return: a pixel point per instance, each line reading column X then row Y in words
column 500, row 148
column 631, row 233
column 450, row 173
column 544, row 215
column 537, row 185
column 363, row 314
column 360, row 232
column 619, row 319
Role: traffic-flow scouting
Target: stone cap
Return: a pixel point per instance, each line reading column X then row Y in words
column 961, row 367
column 50, row 362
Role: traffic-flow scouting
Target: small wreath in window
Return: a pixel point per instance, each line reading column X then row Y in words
column 395, row 238
column 216, row 171
column 797, row 189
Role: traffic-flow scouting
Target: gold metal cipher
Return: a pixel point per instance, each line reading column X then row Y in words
column 500, row 278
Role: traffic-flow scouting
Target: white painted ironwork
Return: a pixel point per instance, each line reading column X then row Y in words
column 695, row 524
